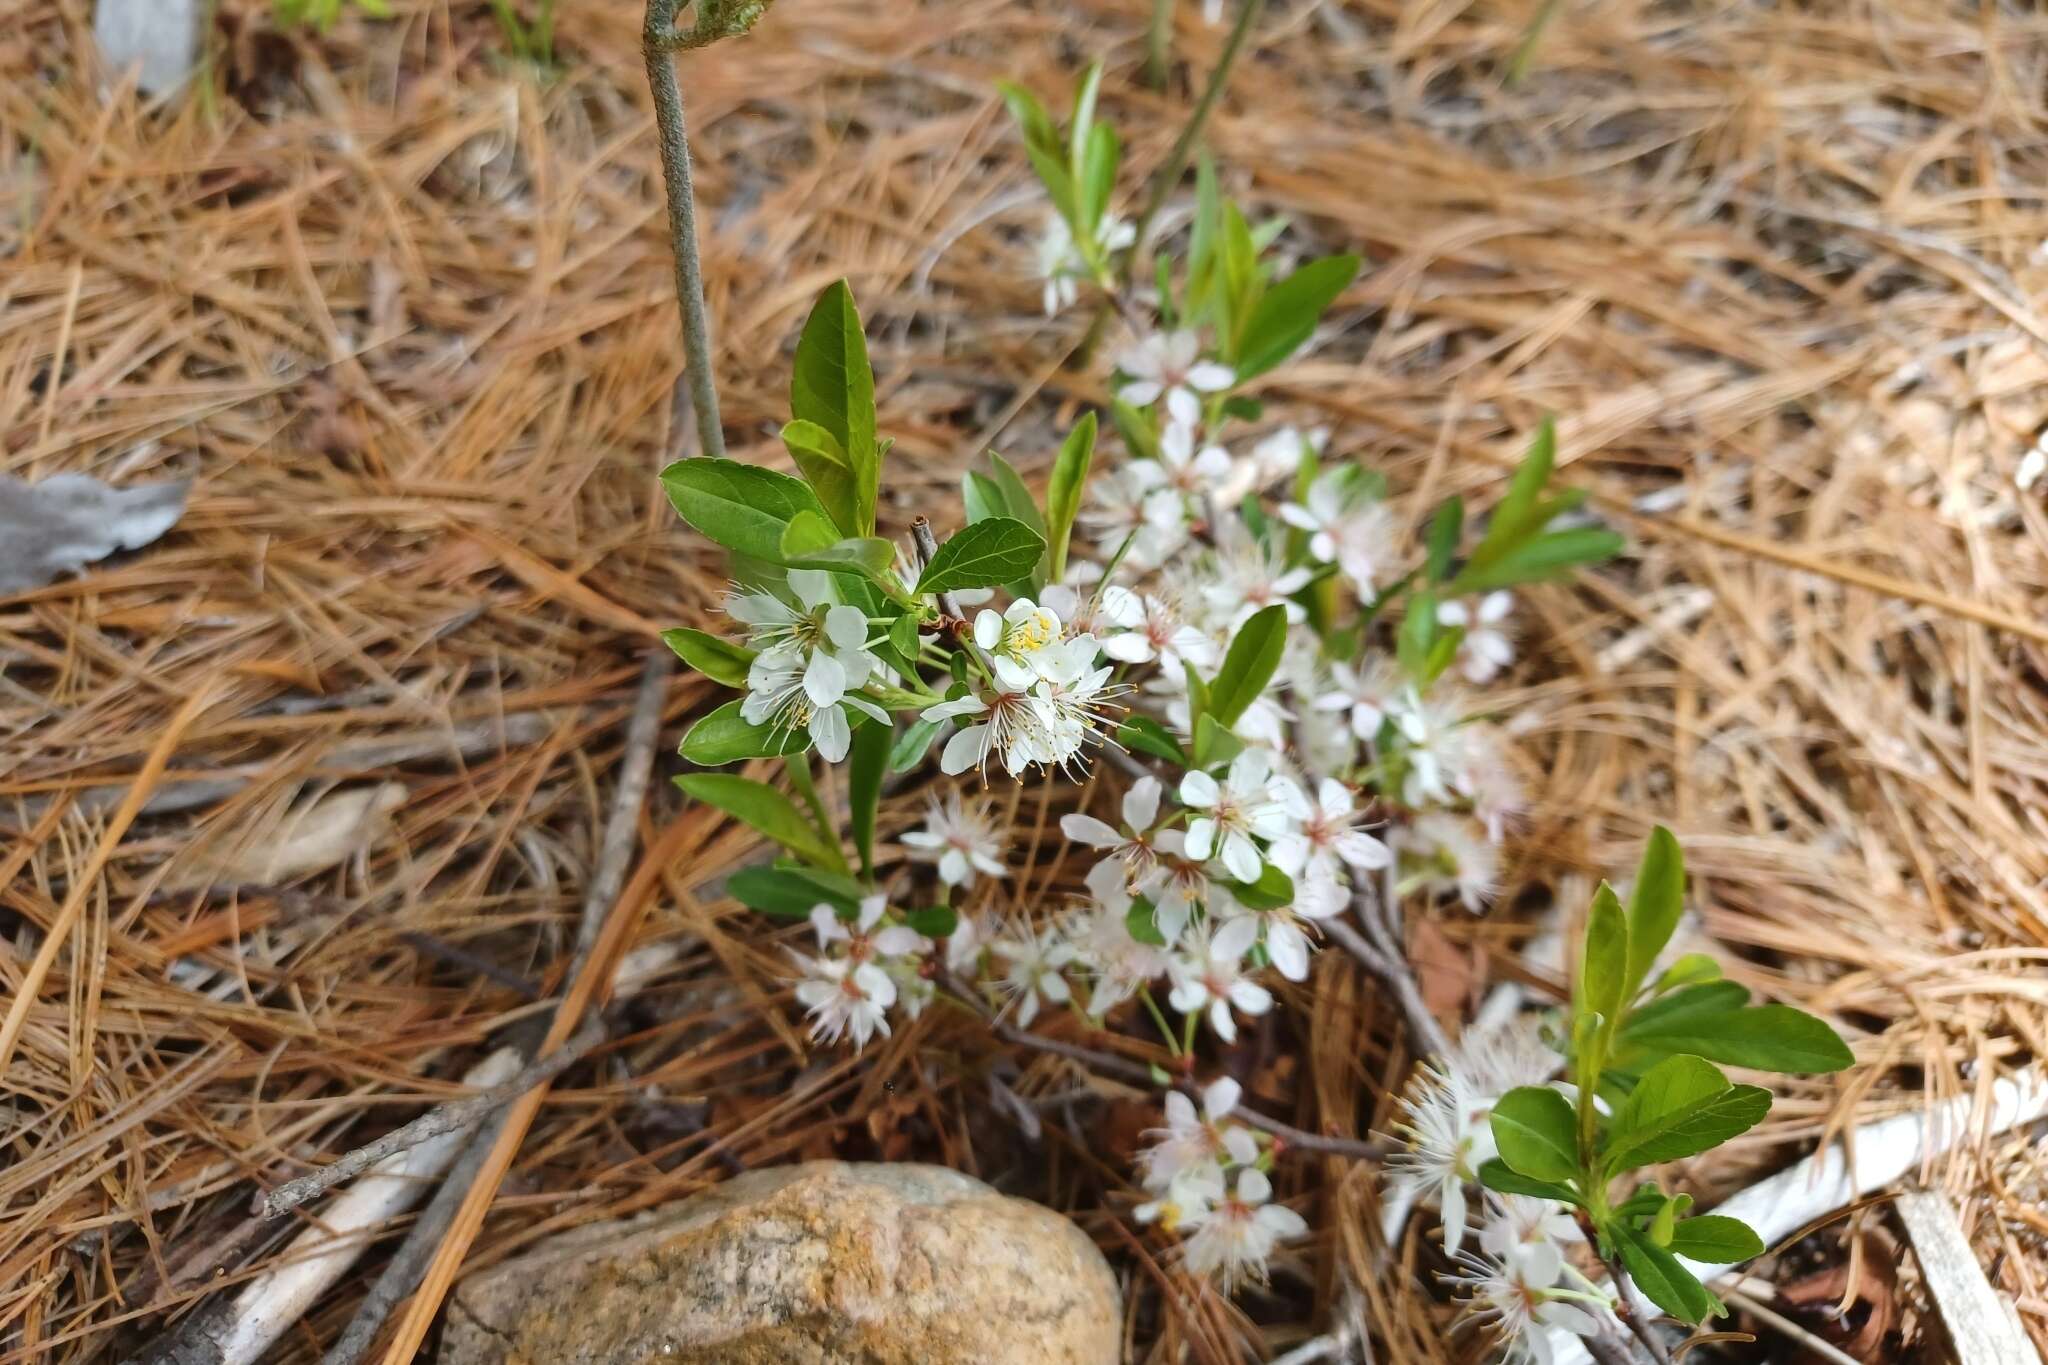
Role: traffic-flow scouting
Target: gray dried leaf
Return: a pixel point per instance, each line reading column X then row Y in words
column 65, row 522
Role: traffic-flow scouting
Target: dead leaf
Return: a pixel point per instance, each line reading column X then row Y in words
column 68, row 520
column 310, row 837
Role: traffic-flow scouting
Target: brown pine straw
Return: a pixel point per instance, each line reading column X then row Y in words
column 406, row 315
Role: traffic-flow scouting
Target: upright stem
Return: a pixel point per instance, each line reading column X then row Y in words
column 1158, row 43
column 1177, row 160
column 657, row 42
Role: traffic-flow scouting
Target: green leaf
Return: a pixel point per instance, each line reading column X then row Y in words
column 741, row 506
column 867, row 762
column 1537, row 1133
column 982, row 497
column 1603, row 963
column 1096, row 177
column 1687, row 1003
column 1662, row 1279
column 937, row 921
column 818, row 454
column 1681, row 1107
column 868, row 556
column 767, row 810
column 1654, row 905
column 1515, row 515
column 1142, row 924
column 1689, row 970
column 780, row 892
column 725, row 736
column 1139, row 438
column 718, row 659
column 1249, row 666
column 1082, row 125
column 832, row 386
column 1063, row 493
column 1148, row 736
column 903, row 635
column 1715, row 1239
column 1415, row 642
column 1287, row 314
column 1017, row 499
column 985, row 554
column 1213, row 743
column 1497, row 1175
column 1543, row 557
column 1032, row 120
column 1760, row 1037
column 1271, row 891
column 910, row 746
column 1444, row 530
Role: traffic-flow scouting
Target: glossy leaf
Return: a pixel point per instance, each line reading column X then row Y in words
column 824, row 464
column 867, row 764
column 718, row 659
column 1497, row 1175
column 1662, row 1279
column 725, row 736
column 1714, row 1239
column 767, row 810
column 832, row 386
column 1249, row 665
column 1537, row 1133
column 986, row 554
column 1063, row 493
column 741, row 506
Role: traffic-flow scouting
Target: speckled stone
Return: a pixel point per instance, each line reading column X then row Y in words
column 804, row 1265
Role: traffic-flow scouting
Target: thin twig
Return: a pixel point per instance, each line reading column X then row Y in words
column 927, row 545
column 1389, row 963
column 401, row 1274
column 1176, row 163
column 1625, row 1309
column 658, row 39
column 447, row 1118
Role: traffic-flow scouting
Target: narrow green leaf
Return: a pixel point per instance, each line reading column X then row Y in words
column 1541, row 558
column 1497, row 1175
column 910, row 746
column 1287, row 314
column 1444, row 530
column 767, row 810
column 831, row 385
column 1148, row 736
column 1662, row 1279
column 1249, row 665
column 725, row 736
column 1032, row 119
column 867, row 763
column 1715, row 1239
column 1017, row 500
column 1415, row 641
column 1654, row 905
column 824, row 464
column 1689, row 970
column 1214, row 744
column 1761, row 1037
column 982, row 497
column 1537, row 1133
column 779, row 892
column 1096, row 177
column 985, row 554
column 1063, row 493
column 1603, row 963
column 718, row 659
column 1513, row 517
column 741, row 506
column 1082, row 126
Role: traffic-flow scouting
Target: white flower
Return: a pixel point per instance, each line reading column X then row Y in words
column 1449, row 1131
column 1322, row 840
column 828, row 636
column 1036, row 960
column 964, row 945
column 1103, row 944
column 1169, row 364
column 1278, row 456
column 1061, row 263
column 1234, row 1239
column 1433, row 730
column 1154, row 631
column 1250, row 577
column 778, row 696
column 1131, row 849
column 1346, row 527
column 1195, row 474
column 1022, row 642
column 1178, row 886
column 1208, row 977
column 864, row 939
column 1132, row 502
column 1191, row 1141
column 1443, row 853
column 1518, row 1299
column 845, row 996
column 1075, row 706
column 1517, row 1223
column 1486, row 648
column 1010, row 727
column 1244, row 806
column 1368, row 693
column 961, row 839
column 1187, row 1201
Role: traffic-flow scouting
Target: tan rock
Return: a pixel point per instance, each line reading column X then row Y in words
column 888, row 1264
